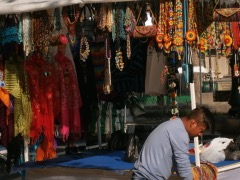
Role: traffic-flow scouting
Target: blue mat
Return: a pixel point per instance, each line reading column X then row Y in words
column 110, row 161
column 107, row 160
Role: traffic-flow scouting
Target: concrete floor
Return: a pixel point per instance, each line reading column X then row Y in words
column 59, row 173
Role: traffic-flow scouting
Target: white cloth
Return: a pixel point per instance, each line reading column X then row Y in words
column 20, row 6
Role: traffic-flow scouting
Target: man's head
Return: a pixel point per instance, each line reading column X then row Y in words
column 199, row 120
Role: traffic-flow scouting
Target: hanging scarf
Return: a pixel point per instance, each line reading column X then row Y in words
column 42, row 88
column 236, row 35
column 69, row 96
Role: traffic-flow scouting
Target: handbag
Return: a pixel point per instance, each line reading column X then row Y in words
column 226, row 14
column 87, row 24
column 141, row 31
column 10, row 32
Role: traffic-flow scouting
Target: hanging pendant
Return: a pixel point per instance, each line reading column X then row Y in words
column 119, row 60
column 128, row 47
column 107, row 75
column 107, row 79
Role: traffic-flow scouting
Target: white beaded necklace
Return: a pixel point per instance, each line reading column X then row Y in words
column 84, row 49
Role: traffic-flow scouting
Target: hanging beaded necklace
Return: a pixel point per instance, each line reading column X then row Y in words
column 129, row 25
column 161, row 26
column 72, row 40
column 168, row 26
column 129, row 20
column 120, row 35
column 171, row 19
column 84, row 49
column 191, row 34
column 227, row 39
column 210, row 37
column 119, row 21
column 178, row 35
column 107, row 75
column 114, row 25
column 129, row 52
column 119, row 59
column 109, row 18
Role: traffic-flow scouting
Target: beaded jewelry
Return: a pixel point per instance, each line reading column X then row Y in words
column 109, row 20
column 161, row 26
column 129, row 20
column 173, row 95
column 191, row 34
column 178, row 36
column 107, row 79
column 119, row 21
column 227, row 39
column 171, row 18
column 128, row 47
column 84, row 49
column 72, row 40
column 168, row 26
column 211, row 36
column 114, row 25
column 119, row 60
column 163, row 74
column 129, row 26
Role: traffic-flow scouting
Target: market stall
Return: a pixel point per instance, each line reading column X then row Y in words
column 69, row 68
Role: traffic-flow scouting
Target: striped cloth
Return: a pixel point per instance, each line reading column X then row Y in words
column 204, row 172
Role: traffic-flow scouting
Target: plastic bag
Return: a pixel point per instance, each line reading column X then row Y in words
column 214, row 151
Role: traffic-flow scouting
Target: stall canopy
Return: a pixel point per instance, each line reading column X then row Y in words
column 20, row 6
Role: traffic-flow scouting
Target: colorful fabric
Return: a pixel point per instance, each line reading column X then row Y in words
column 70, row 99
column 12, row 77
column 46, row 150
column 42, row 89
column 16, row 85
column 6, row 126
column 205, row 171
column 98, row 59
column 4, row 94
